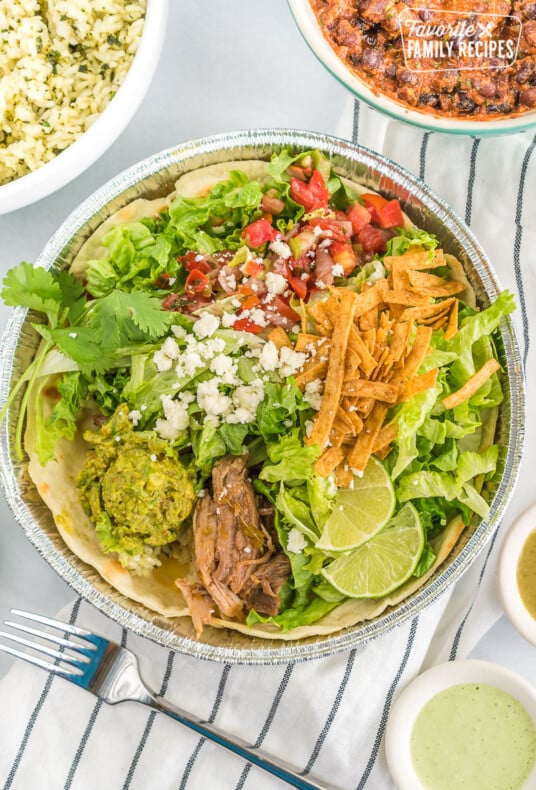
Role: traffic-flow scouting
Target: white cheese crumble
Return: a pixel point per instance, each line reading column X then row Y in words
column 313, row 393
column 269, row 357
column 275, row 283
column 296, row 541
column 281, row 248
column 211, row 400
column 228, row 320
column 290, row 361
column 337, row 270
column 134, row 416
column 206, row 325
column 179, row 331
column 176, row 418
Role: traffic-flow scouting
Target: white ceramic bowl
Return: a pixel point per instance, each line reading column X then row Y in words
column 507, row 573
column 312, row 33
column 105, row 130
column 411, row 701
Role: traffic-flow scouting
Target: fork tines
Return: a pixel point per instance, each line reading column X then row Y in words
column 83, row 653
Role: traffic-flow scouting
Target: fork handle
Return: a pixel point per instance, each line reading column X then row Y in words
column 236, row 745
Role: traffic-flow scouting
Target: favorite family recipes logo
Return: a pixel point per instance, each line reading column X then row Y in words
column 440, row 40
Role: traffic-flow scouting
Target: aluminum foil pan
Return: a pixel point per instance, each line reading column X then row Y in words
column 152, row 178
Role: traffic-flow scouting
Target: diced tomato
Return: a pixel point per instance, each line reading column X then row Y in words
column 374, row 205
column 284, row 309
column 386, row 213
column 196, row 282
column 335, row 228
column 358, row 216
column 259, row 232
column 249, row 302
column 371, row 239
column 193, row 260
column 245, row 325
column 343, row 254
column 313, row 195
column 252, row 267
column 391, row 215
column 298, row 285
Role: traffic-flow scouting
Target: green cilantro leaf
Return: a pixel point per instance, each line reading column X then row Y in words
column 33, row 287
column 119, row 318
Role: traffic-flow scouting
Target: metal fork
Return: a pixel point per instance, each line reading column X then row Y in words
column 111, row 673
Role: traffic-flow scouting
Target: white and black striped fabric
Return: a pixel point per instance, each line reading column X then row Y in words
column 326, row 717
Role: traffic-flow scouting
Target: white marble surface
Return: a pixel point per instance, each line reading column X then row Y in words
column 209, row 80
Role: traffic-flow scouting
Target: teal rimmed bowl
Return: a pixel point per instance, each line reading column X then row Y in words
column 312, row 33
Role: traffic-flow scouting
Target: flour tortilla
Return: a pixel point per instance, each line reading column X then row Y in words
column 56, row 482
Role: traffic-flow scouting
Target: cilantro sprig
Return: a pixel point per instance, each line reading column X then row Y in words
column 95, row 334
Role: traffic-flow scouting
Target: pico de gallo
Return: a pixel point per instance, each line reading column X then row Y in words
column 260, row 249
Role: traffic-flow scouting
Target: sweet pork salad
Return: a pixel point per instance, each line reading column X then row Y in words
column 266, row 403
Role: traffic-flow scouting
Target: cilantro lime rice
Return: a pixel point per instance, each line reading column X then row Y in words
column 61, row 63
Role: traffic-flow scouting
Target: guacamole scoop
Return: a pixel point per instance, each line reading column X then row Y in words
column 133, row 487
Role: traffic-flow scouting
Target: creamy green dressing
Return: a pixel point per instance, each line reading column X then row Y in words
column 473, row 736
column 526, row 574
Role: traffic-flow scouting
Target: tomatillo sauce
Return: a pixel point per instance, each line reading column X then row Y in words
column 526, row 574
column 475, row 736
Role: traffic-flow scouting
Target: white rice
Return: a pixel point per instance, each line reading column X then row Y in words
column 61, row 63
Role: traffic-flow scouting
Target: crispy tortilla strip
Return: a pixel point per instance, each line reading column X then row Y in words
column 369, row 338
column 372, row 389
column 356, row 344
column 306, row 341
column 364, row 406
column 279, row 337
column 351, row 365
column 344, row 477
column 316, row 369
column 399, row 340
column 345, row 309
column 385, row 437
column 362, row 450
column 329, row 460
column 419, row 384
column 353, row 416
column 472, row 385
column 371, row 296
column 422, row 280
column 399, row 279
column 416, row 355
column 415, row 259
column 317, row 312
column 378, row 371
column 369, row 320
column 448, row 288
column 452, row 326
column 411, row 298
column 430, row 311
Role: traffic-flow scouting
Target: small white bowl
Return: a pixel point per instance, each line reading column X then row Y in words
column 411, row 701
column 513, row 604
column 312, row 33
column 105, row 130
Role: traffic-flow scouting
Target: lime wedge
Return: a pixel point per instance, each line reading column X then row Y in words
column 384, row 562
column 359, row 512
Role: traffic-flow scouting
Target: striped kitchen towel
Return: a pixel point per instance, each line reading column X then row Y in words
column 326, row 716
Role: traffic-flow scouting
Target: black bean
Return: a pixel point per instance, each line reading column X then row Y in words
column 464, row 103
column 431, row 99
column 503, row 108
column 530, row 11
column 524, row 70
column 391, row 70
column 354, row 58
